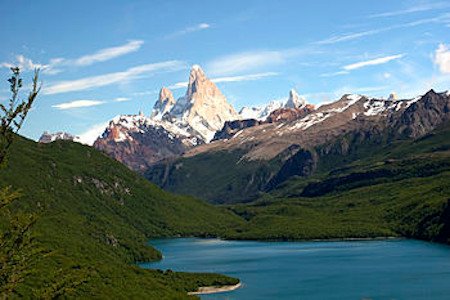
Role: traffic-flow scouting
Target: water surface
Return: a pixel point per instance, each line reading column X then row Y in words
column 395, row 269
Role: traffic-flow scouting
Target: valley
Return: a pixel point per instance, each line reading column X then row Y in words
column 357, row 168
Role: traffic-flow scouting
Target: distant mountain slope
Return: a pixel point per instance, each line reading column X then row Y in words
column 259, row 158
column 94, row 217
column 138, row 141
column 415, row 207
column 400, row 189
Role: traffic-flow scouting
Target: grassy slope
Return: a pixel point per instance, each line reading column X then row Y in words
column 399, row 189
column 94, row 217
column 411, row 207
column 219, row 177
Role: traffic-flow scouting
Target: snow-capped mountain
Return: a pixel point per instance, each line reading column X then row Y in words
column 203, row 108
column 203, row 114
column 262, row 112
column 412, row 117
column 138, row 141
column 172, row 127
column 48, row 137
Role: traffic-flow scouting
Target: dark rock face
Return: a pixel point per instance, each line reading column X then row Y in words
column 230, row 128
column 352, row 180
column 289, row 114
column 303, row 163
column 140, row 150
column 422, row 116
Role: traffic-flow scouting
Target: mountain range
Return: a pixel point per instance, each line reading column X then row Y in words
column 175, row 126
column 266, row 154
column 266, row 145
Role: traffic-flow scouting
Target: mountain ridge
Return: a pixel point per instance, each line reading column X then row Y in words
column 278, row 151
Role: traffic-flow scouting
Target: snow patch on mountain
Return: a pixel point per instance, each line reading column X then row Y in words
column 261, row 112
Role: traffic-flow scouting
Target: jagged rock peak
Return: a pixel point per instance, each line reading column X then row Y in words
column 430, row 93
column 197, row 70
column 295, row 100
column 166, row 95
column 393, row 96
column 164, row 103
column 204, row 108
column 196, row 79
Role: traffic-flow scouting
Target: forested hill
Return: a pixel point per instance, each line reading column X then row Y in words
column 83, row 220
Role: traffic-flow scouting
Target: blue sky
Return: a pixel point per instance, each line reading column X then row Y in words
column 104, row 58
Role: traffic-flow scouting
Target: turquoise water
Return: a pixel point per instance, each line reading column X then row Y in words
column 397, row 269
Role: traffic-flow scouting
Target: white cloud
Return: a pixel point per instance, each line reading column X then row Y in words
column 338, row 73
column 25, row 64
column 56, row 65
column 112, row 78
column 350, row 36
column 246, row 61
column 89, row 136
column 248, row 77
column 77, row 104
column 413, row 9
column 121, row 99
column 442, row 58
column 190, row 29
column 108, row 53
column 145, row 93
column 372, row 62
column 178, row 85
column 443, row 18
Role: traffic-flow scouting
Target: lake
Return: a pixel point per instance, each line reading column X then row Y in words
column 388, row 269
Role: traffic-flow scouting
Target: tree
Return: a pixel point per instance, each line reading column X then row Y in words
column 14, row 112
column 16, row 242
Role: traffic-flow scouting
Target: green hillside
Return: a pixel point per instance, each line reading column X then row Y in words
column 397, row 189
column 219, row 177
column 414, row 207
column 93, row 219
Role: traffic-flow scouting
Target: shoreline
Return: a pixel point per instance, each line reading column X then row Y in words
column 344, row 239
column 205, row 290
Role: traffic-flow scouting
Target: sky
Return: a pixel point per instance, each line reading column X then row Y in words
column 99, row 59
